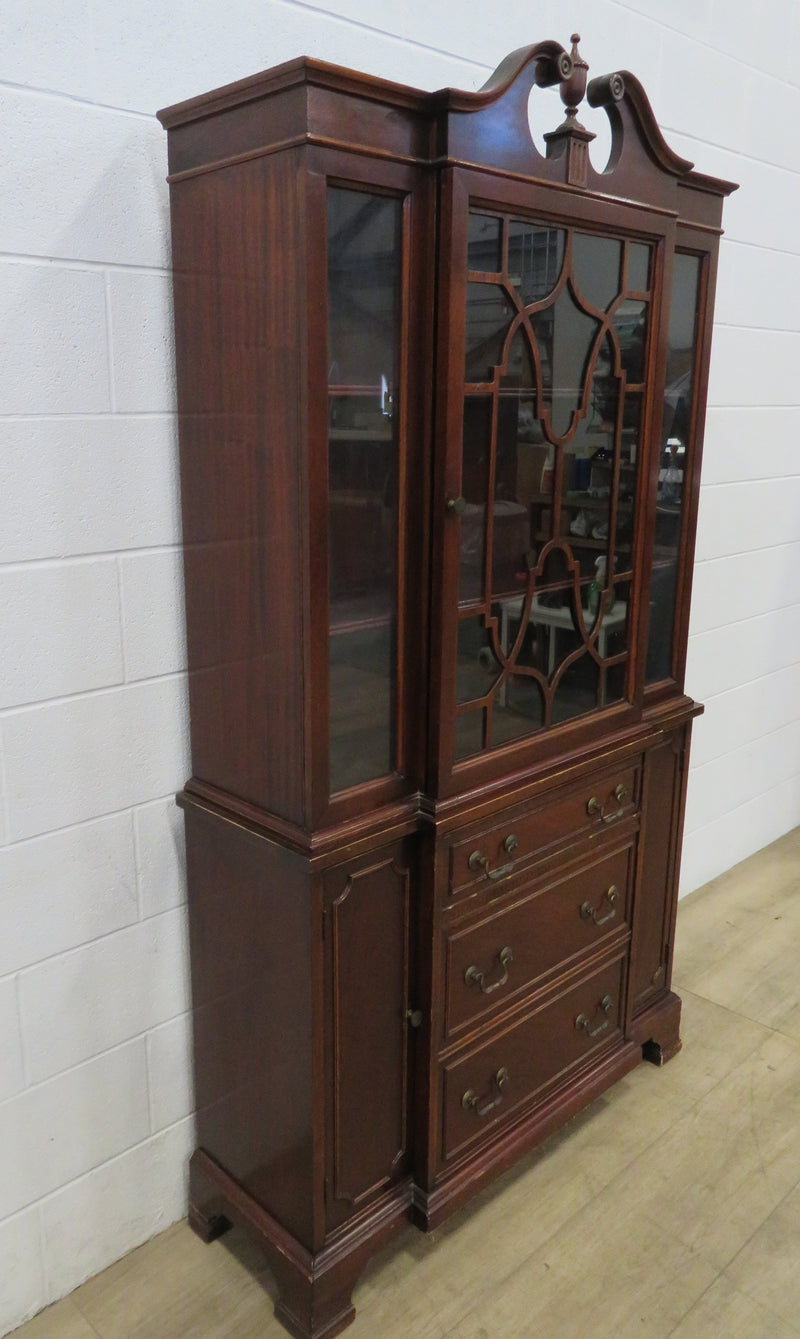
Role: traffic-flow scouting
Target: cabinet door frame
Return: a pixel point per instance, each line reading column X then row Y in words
column 412, row 185
column 461, row 190
column 704, row 244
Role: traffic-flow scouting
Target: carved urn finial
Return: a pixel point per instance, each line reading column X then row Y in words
column 573, row 88
column 571, row 140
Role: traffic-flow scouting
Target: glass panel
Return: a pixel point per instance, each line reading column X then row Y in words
column 588, row 468
column 484, row 250
column 630, row 327
column 638, row 267
column 535, row 257
column 626, row 496
column 512, row 465
column 554, row 628
column 364, row 265
column 674, row 433
column 511, row 528
column 477, row 667
column 578, row 690
column 565, row 335
column 489, row 314
column 469, row 734
column 518, row 709
column 596, row 265
column 476, row 451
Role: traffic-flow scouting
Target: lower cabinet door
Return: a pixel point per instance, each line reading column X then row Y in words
column 366, row 937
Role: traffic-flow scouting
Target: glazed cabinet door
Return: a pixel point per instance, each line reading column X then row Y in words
column 368, row 508
column 675, row 489
column 368, row 1028
column 551, row 340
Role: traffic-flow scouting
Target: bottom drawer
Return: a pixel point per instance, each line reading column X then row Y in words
column 489, row 1085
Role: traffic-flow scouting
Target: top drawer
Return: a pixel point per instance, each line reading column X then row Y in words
column 507, row 844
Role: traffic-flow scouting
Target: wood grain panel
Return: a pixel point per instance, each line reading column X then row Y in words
column 240, row 378
column 251, row 959
column 367, row 933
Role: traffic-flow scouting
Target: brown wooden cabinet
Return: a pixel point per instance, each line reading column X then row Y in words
column 441, row 406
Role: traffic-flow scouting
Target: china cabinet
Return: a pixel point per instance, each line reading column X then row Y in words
column 441, row 404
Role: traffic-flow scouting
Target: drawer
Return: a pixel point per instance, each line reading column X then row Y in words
column 508, row 950
column 542, row 1051
column 496, row 851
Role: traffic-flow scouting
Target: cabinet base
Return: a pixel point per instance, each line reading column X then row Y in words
column 433, row 1206
column 314, row 1289
column 657, row 1030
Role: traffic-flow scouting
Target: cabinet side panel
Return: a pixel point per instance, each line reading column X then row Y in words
column 239, row 351
column 661, row 836
column 251, row 955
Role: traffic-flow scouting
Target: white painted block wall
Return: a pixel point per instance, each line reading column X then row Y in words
column 95, row 1095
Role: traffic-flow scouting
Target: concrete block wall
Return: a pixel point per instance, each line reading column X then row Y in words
column 95, row 1094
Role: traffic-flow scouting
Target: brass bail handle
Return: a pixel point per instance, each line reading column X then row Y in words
column 590, row 913
column 596, row 807
column 478, row 860
column 474, row 977
column 483, row 1105
column 584, row 1024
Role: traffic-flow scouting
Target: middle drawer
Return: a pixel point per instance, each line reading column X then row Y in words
column 503, row 954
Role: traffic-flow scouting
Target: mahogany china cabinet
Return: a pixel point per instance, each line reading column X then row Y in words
column 441, row 405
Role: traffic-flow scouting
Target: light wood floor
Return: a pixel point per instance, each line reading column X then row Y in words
column 671, row 1207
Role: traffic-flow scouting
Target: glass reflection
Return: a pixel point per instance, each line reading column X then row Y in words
column 565, row 336
column 484, row 244
column 535, row 257
column 596, row 265
column 630, row 328
column 469, row 734
column 489, row 314
column 638, row 280
column 476, row 451
column 477, row 667
column 577, row 691
column 518, row 709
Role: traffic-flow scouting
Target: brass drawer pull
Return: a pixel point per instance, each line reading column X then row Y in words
column 456, row 506
column 474, row 977
column 595, row 806
column 482, row 1106
column 590, row 913
column 583, row 1022
column 480, row 861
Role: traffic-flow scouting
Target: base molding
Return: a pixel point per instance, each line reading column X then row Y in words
column 658, row 1029
column 432, row 1207
column 314, row 1288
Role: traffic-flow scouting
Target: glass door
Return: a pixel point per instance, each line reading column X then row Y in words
column 676, row 448
column 556, row 334
column 364, row 274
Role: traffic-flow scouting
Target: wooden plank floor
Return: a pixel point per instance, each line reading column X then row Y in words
column 671, row 1207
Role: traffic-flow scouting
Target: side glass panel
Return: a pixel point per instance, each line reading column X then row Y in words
column 557, row 331
column 678, row 393
column 364, row 268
